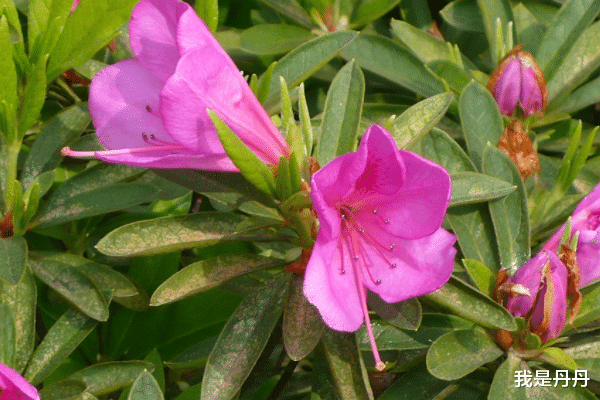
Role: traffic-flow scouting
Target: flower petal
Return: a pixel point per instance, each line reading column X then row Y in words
column 531, row 94
column 14, row 386
column 398, row 269
column 335, row 294
column 124, row 103
column 508, row 88
column 166, row 159
column 206, row 79
column 153, row 32
column 588, row 257
column 193, row 33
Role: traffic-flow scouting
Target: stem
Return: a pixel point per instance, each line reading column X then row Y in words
column 11, row 175
column 283, row 381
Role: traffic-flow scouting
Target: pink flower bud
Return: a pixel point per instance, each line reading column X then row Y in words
column 14, row 387
column 519, row 80
column 538, row 293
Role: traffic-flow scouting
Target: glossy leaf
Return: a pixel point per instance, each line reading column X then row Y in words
column 580, row 62
column 481, row 275
column 510, row 214
column 464, row 15
column 63, row 390
column 169, row 234
column 8, row 83
column 341, row 115
column 13, row 257
column 389, row 337
column 206, row 274
column 243, row 339
column 305, row 60
column 494, row 12
column 455, row 77
column 480, row 119
column 419, row 119
column 272, row 39
column 251, row 167
column 568, row 24
column 87, row 29
column 8, row 342
column 62, row 338
column 343, row 359
column 302, row 323
column 208, row 10
column 406, row 314
column 416, row 13
column 21, row 300
column 503, row 386
column 45, row 151
column 392, row 61
column 145, row 387
column 291, row 9
column 105, row 378
column 416, row 384
column 471, row 187
column 34, row 96
column 459, row 353
column 583, row 96
column 370, row 10
column 466, row 302
column 46, row 20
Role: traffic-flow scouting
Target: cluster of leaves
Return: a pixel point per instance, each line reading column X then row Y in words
column 171, row 283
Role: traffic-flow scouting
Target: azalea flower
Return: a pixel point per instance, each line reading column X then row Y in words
column 380, row 211
column 519, row 80
column 14, row 387
column 151, row 111
column 586, row 220
column 541, row 296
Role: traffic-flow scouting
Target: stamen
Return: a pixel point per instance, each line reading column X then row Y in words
column 374, row 211
column 66, row 151
column 148, row 108
column 387, row 221
column 394, row 265
column 392, row 246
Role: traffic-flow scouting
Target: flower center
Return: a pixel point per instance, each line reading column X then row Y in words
column 593, row 221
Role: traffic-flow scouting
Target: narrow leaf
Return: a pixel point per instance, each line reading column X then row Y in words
column 145, row 387
column 471, row 187
column 105, row 378
column 13, row 257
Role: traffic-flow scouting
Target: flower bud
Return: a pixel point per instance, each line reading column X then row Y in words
column 518, row 79
column 538, row 293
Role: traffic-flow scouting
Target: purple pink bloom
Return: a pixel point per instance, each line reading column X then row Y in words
column 14, row 387
column 151, row 111
column 542, row 295
column 519, row 80
column 586, row 220
column 380, row 211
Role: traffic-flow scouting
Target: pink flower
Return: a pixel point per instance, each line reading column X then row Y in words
column 542, row 298
column 586, row 220
column 150, row 111
column 380, row 211
column 519, row 80
column 74, row 6
column 14, row 387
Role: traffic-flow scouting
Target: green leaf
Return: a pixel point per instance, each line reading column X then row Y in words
column 503, row 386
column 341, row 114
column 568, row 24
column 293, row 10
column 44, row 25
column 305, row 60
column 13, row 257
column 392, row 61
column 102, row 276
column 481, row 275
column 440, row 148
column 35, row 94
column 206, row 274
column 389, row 337
column 251, row 167
column 64, row 390
column 464, row 15
column 302, row 323
column 45, row 151
column 459, row 353
column 580, row 62
column 419, row 119
column 583, row 96
column 21, row 299
column 8, row 341
column 344, row 362
column 416, row 384
column 560, row 358
column 587, row 356
column 406, row 314
column 510, row 214
column 243, row 339
column 369, row 10
column 480, row 120
column 108, row 377
column 416, row 13
column 273, row 39
column 169, row 234
column 62, row 338
column 59, row 209
column 145, row 387
column 208, row 10
column 8, row 84
column 454, row 76
column 74, row 285
column 466, row 302
column 471, row 187
column 88, row 28
column 494, row 12
column 590, row 306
